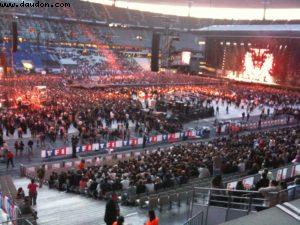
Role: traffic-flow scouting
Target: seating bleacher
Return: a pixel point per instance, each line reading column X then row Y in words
column 162, row 199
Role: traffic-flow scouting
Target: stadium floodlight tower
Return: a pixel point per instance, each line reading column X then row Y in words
column 190, row 3
column 265, row 3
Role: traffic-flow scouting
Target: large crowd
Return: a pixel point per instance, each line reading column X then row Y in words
column 176, row 165
column 102, row 94
column 135, row 110
column 119, row 107
column 92, row 112
column 91, row 61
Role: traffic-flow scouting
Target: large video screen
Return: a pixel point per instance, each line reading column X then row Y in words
column 181, row 58
column 269, row 61
column 257, row 67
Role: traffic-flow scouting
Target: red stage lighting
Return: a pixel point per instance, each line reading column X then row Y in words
column 258, row 65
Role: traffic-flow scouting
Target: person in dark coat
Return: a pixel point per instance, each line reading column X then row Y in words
column 263, row 182
column 21, row 147
column 74, row 141
column 1, row 139
column 112, row 210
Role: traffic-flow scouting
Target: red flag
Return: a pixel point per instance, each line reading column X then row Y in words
column 133, row 141
column 171, row 137
column 111, row 144
column 87, row 148
column 61, row 151
column 154, row 139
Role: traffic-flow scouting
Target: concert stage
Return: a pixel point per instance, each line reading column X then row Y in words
column 268, row 54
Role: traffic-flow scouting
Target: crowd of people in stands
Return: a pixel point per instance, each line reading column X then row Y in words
column 267, row 191
column 154, row 103
column 177, row 165
column 91, row 11
column 86, row 62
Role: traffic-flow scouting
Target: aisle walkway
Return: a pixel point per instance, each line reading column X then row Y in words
column 60, row 208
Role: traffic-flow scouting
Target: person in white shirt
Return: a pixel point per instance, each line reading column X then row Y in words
column 125, row 183
column 267, row 193
column 203, row 171
column 98, row 189
column 89, row 183
column 149, row 186
column 242, row 166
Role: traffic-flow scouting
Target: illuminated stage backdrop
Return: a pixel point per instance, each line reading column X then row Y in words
column 260, row 60
column 257, row 67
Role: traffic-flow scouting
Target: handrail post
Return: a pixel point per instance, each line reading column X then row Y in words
column 250, row 203
column 278, row 198
column 228, row 205
column 191, row 208
column 206, row 217
column 294, row 194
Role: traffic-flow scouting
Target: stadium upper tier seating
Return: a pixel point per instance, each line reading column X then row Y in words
column 66, row 24
column 106, row 26
column 97, row 12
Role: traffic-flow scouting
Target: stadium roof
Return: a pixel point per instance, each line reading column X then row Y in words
column 216, row 9
column 271, row 30
column 265, row 27
column 230, row 3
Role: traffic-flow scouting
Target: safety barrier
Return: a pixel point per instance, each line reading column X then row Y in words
column 241, row 126
column 111, row 146
column 107, row 159
column 20, row 221
column 231, row 204
column 277, row 174
column 229, row 199
column 196, row 219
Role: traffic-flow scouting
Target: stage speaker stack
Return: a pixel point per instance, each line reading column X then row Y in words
column 155, row 52
column 15, row 36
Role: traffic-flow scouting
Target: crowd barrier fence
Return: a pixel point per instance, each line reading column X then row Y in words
column 278, row 174
column 241, row 126
column 112, row 146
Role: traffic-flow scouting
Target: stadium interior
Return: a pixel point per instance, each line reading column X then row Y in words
column 182, row 112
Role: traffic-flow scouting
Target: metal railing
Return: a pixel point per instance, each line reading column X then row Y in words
column 290, row 172
column 20, row 221
column 242, row 200
column 196, row 219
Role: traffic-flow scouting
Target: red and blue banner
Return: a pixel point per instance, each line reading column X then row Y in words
column 133, row 142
